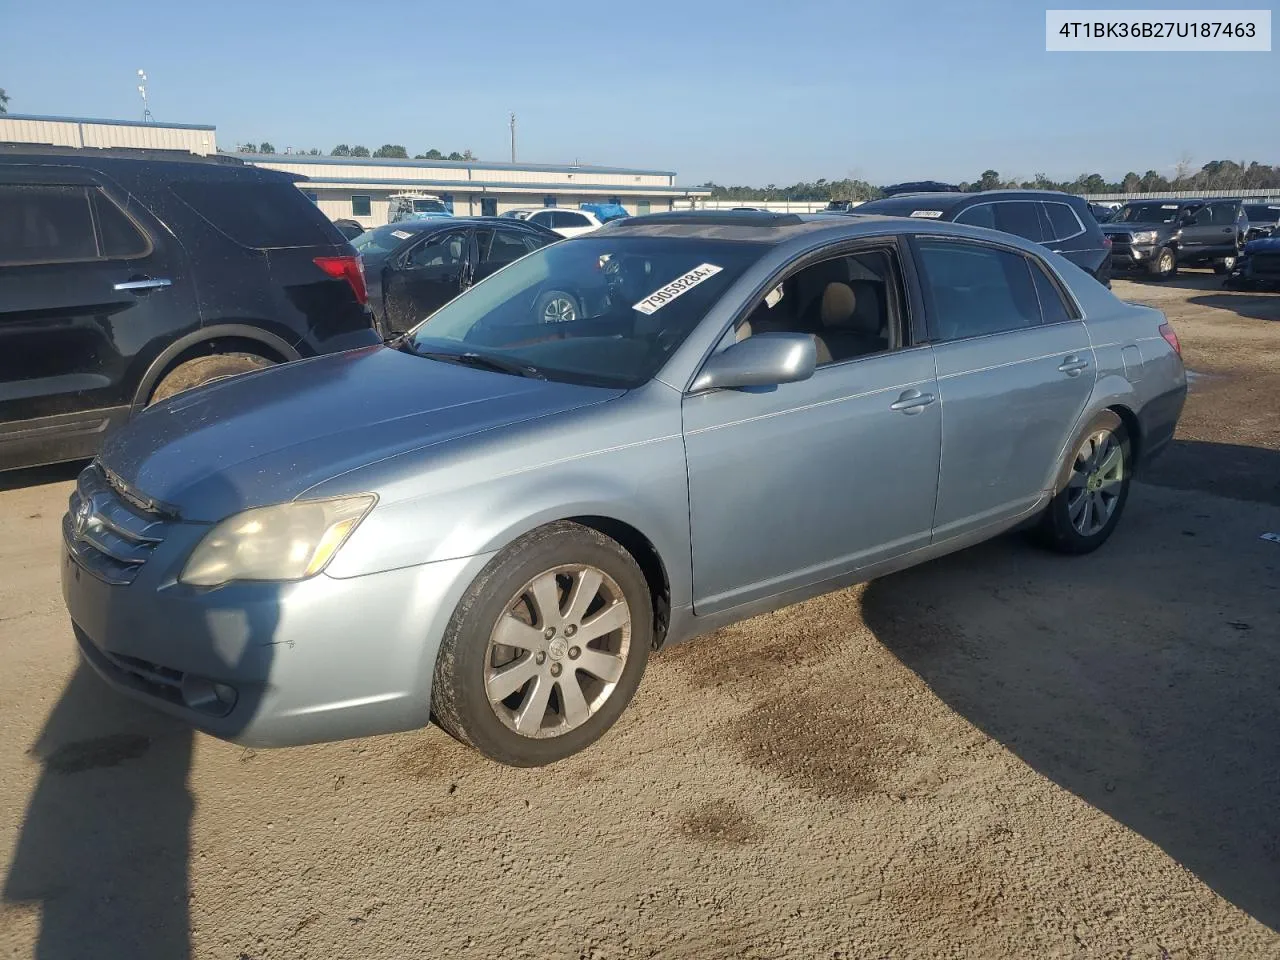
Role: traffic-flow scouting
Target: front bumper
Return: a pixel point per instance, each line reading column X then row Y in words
column 1132, row 256
column 268, row 664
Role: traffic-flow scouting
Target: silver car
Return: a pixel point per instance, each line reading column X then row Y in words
column 494, row 521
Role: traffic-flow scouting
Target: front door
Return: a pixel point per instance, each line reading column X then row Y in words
column 495, row 247
column 422, row 280
column 793, row 485
column 1015, row 372
column 85, row 289
column 1199, row 234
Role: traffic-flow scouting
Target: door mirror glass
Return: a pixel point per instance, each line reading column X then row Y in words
column 763, row 360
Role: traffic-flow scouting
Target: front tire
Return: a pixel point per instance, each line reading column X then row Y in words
column 1224, row 265
column 546, row 648
column 202, row 370
column 556, row 306
column 1164, row 265
column 1092, row 490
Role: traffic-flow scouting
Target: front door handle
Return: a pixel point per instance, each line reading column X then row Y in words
column 1073, row 366
column 145, row 284
column 912, row 402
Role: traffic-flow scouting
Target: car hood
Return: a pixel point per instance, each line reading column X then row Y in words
column 268, row 437
column 1263, row 244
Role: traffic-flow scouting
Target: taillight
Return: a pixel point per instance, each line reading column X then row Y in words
column 1170, row 338
column 1106, row 241
column 350, row 269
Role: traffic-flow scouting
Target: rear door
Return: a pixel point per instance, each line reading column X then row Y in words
column 1015, row 371
column 497, row 246
column 1069, row 235
column 1228, row 221
column 1199, row 234
column 89, row 281
column 426, row 277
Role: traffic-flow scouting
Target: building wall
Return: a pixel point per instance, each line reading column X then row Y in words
column 336, row 203
column 427, row 171
column 73, row 132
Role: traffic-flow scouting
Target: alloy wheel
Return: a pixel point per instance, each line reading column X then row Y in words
column 1166, row 261
column 559, row 310
column 1097, row 479
column 557, row 651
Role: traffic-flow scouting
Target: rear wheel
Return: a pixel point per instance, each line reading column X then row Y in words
column 1093, row 489
column 556, row 306
column 1164, row 264
column 202, row 370
column 1224, row 265
column 546, row 649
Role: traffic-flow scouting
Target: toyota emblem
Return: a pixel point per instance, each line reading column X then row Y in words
column 80, row 522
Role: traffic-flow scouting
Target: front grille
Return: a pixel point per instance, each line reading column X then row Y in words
column 1266, row 264
column 1119, row 239
column 108, row 534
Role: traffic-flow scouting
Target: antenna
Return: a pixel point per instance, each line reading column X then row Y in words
column 142, row 89
column 513, row 138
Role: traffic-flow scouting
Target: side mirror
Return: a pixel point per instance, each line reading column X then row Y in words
column 763, row 360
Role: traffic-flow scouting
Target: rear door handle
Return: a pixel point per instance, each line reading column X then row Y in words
column 147, row 284
column 1073, row 366
column 912, row 401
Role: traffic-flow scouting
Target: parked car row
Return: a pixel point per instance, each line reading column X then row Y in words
column 492, row 521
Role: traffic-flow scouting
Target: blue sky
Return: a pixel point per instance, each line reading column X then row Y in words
column 750, row 91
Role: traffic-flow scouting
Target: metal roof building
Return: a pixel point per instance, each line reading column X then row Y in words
column 358, row 188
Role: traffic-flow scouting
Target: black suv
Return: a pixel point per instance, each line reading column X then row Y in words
column 128, row 276
column 1059, row 221
column 1158, row 236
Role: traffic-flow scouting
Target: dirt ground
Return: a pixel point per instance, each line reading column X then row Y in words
column 1003, row 753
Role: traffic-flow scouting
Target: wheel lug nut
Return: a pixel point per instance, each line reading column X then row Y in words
column 570, row 630
column 549, row 632
column 540, row 658
column 555, row 669
column 574, row 653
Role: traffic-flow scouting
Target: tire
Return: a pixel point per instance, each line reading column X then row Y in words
column 1224, row 265
column 502, row 603
column 557, row 306
column 1061, row 528
column 202, row 370
column 1164, row 265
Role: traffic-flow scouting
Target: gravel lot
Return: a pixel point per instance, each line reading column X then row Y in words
column 1002, row 753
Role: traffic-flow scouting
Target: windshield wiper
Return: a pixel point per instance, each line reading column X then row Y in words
column 486, row 360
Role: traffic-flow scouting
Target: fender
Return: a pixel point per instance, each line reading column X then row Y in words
column 1111, row 390
column 180, row 346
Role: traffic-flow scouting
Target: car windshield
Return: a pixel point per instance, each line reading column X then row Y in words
column 604, row 311
column 379, row 242
column 1263, row 213
column 429, row 206
column 1149, row 213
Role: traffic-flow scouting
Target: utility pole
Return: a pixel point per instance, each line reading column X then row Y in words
column 142, row 89
column 513, row 138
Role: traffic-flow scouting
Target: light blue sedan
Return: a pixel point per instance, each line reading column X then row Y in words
column 494, row 521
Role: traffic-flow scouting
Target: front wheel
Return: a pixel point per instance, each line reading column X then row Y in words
column 546, row 648
column 556, row 306
column 1224, row 265
column 202, row 370
column 1164, row 265
column 1093, row 490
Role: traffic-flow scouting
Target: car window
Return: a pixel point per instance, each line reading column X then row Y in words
column 502, row 246
column 1053, row 308
column 1223, row 214
column 566, row 219
column 543, row 217
column 600, row 310
column 120, row 238
column 1021, row 218
column 261, row 215
column 45, row 224
column 977, row 290
column 981, row 215
column 849, row 304
column 1062, row 220
column 444, row 250
column 1202, row 217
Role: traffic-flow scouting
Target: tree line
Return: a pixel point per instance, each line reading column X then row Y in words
column 390, row 151
column 1214, row 175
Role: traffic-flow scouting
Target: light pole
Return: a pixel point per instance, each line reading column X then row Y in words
column 513, row 138
column 142, row 89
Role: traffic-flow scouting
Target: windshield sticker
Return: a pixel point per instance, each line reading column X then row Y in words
column 401, row 234
column 927, row 214
column 1168, row 206
column 773, row 297
column 664, row 295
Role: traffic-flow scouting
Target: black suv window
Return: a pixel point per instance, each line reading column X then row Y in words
column 978, row 290
column 1223, row 214
column 982, row 215
column 1021, row 218
column 45, row 224
column 1062, row 220
column 262, row 215
column 119, row 237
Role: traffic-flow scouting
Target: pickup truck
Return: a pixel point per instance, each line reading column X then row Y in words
column 1159, row 236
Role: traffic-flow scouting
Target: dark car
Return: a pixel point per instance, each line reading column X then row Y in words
column 1257, row 267
column 1060, row 221
column 1264, row 220
column 415, row 267
column 1158, row 236
column 349, row 228
column 919, row 186
column 128, row 276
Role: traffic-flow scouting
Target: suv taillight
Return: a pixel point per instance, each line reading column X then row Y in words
column 1106, row 241
column 350, row 269
column 1171, row 338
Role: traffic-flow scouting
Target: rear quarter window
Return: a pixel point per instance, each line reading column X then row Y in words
column 261, row 215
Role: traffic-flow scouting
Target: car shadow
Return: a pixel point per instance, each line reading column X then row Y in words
column 1186, row 279
column 1141, row 678
column 37, row 476
column 1255, row 306
column 1224, row 469
column 104, row 847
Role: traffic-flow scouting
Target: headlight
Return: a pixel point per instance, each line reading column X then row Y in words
column 1144, row 236
column 288, row 541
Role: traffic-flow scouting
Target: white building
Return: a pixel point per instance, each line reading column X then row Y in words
column 358, row 188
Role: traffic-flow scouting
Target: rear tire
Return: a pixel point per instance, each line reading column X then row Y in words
column 1164, row 264
column 485, row 692
column 1224, row 265
column 202, row 370
column 1092, row 488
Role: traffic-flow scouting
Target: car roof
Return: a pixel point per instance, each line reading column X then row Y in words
column 750, row 226
column 166, row 163
column 444, row 223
